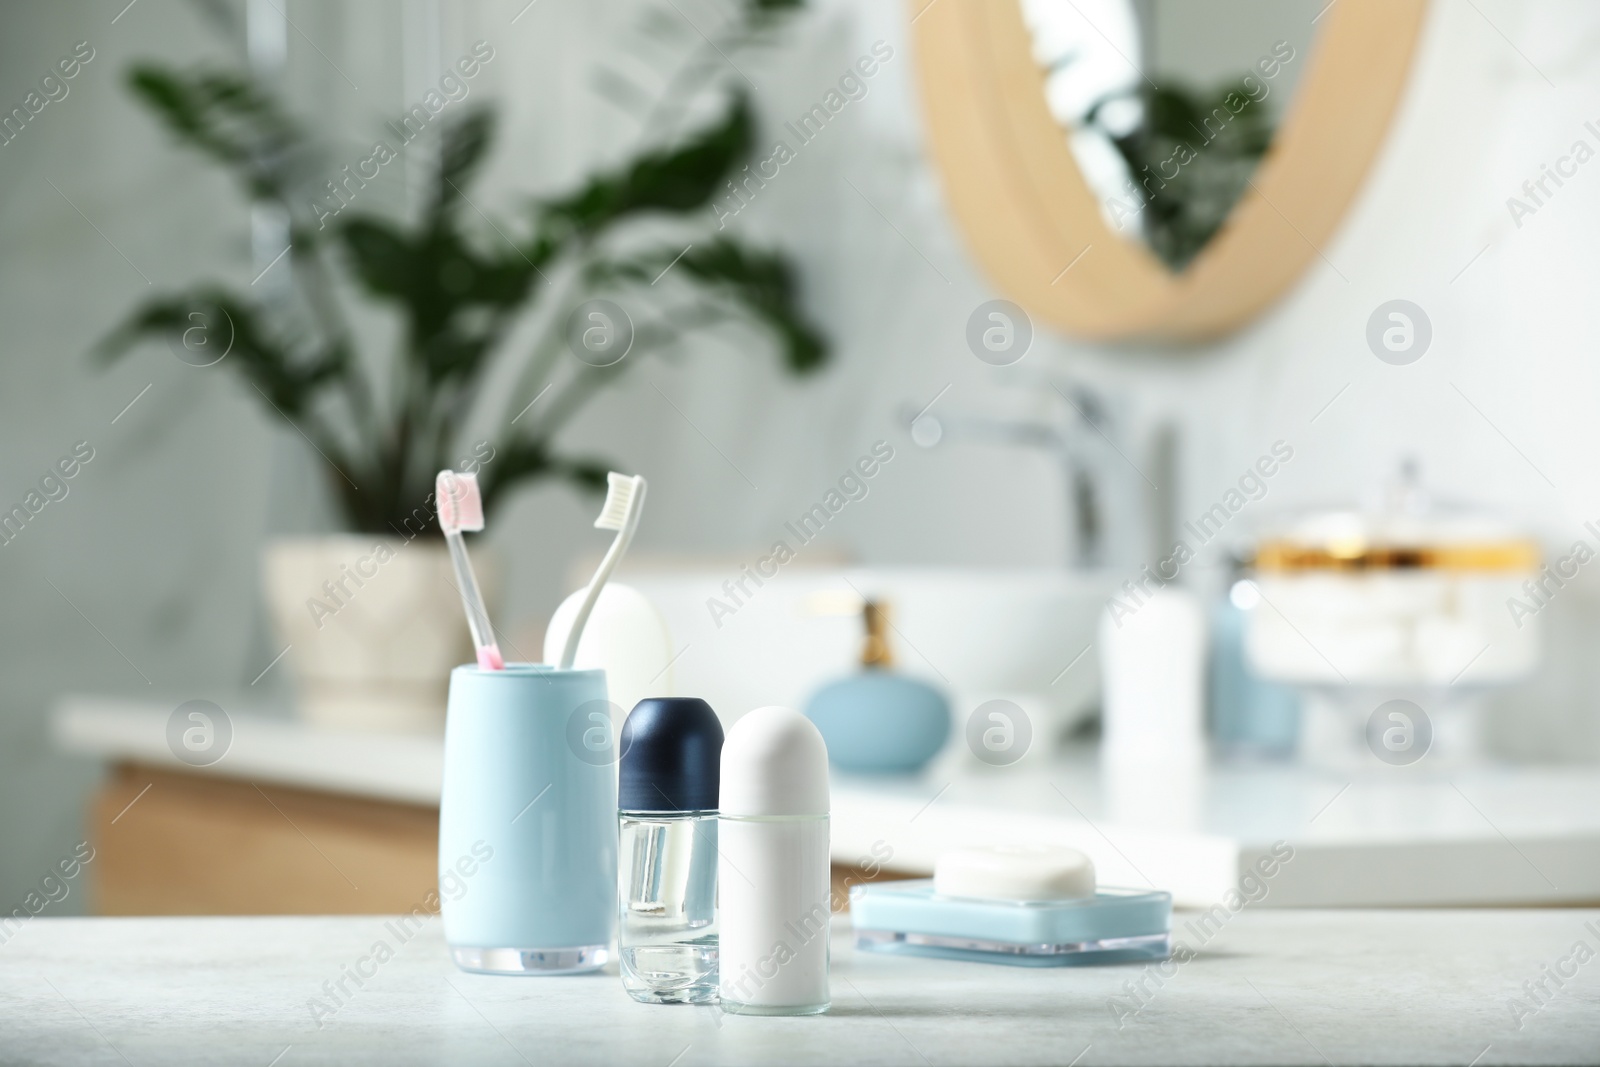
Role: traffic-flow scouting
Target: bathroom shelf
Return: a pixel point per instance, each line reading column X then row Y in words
column 1394, row 836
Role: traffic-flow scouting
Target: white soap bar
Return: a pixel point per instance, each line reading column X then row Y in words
column 1015, row 872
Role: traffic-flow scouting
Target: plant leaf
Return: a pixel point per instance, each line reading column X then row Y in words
column 436, row 278
column 290, row 384
column 382, row 256
column 679, row 179
column 762, row 283
column 1212, row 149
column 462, row 148
column 517, row 461
column 228, row 117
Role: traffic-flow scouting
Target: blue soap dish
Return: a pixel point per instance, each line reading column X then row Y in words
column 1112, row 926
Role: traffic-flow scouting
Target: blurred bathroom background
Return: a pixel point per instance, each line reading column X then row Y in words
column 144, row 582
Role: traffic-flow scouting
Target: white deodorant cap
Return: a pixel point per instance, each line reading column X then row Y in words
column 774, row 762
column 1014, row 872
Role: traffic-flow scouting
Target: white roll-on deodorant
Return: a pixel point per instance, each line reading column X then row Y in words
column 772, row 866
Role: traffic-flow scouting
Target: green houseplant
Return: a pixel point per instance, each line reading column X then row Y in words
column 462, row 281
column 1211, row 162
column 496, row 318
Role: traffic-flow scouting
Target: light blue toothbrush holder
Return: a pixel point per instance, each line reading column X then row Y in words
column 527, row 821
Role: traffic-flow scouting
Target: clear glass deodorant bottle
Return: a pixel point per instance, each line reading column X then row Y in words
column 667, row 870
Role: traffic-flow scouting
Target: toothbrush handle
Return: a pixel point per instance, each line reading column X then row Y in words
column 569, row 653
column 472, row 599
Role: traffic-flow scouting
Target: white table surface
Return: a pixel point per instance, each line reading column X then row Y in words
column 1307, row 987
column 1424, row 835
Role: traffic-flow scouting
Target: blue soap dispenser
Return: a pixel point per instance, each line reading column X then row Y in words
column 878, row 721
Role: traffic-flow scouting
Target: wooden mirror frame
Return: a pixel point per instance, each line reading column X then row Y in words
column 1037, row 228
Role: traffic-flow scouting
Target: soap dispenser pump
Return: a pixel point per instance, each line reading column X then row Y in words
column 878, row 721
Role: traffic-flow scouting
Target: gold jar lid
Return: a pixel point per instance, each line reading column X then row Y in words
column 1496, row 557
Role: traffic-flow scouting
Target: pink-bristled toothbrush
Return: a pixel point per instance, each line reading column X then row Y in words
column 460, row 505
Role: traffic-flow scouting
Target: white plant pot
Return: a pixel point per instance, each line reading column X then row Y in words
column 373, row 625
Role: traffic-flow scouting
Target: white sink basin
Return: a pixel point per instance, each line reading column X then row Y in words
column 981, row 634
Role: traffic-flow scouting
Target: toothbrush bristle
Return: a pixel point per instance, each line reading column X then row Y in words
column 459, row 501
column 619, row 497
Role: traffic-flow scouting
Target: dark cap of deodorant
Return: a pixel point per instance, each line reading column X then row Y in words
column 671, row 756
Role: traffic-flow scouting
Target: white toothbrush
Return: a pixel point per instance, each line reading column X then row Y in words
column 624, row 502
column 460, row 505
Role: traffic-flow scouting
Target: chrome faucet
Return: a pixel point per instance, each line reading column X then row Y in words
column 1117, row 513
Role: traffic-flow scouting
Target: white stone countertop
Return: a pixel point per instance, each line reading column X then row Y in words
column 1305, row 987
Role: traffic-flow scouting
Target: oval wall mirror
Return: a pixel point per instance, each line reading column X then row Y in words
column 1160, row 169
